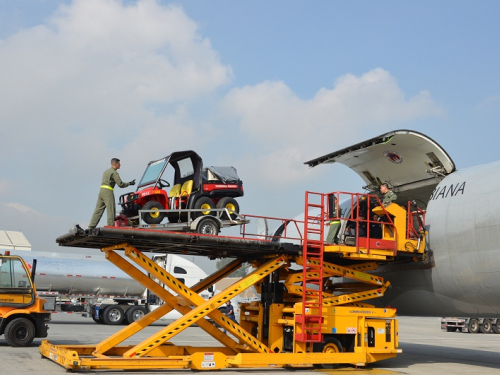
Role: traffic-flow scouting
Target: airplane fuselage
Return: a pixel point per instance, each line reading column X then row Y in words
column 461, row 275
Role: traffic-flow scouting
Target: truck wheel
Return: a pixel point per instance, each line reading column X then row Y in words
column 451, row 329
column 113, row 315
column 208, row 225
column 486, row 327
column 496, row 326
column 329, row 346
column 203, row 203
column 473, row 326
column 135, row 313
column 155, row 217
column 231, row 205
column 20, row 332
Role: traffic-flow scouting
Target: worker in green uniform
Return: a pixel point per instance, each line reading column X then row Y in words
column 106, row 198
column 389, row 195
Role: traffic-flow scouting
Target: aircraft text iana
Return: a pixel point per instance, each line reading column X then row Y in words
column 451, row 190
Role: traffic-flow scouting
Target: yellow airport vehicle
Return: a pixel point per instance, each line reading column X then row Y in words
column 22, row 314
column 313, row 310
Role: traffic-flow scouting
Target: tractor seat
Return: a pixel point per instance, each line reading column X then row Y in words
column 174, row 194
column 186, row 189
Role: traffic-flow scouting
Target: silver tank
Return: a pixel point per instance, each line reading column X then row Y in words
column 80, row 275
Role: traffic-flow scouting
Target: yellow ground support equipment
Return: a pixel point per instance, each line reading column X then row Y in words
column 312, row 312
column 22, row 314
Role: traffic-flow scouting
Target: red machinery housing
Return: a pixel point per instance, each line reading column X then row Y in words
column 194, row 187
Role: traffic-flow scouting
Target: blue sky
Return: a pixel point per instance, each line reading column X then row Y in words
column 260, row 85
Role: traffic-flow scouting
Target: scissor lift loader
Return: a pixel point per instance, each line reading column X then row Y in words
column 304, row 317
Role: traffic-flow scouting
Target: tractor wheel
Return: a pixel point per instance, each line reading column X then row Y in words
column 208, row 225
column 329, row 346
column 231, row 205
column 135, row 313
column 473, row 326
column 154, row 217
column 113, row 315
column 20, row 332
column 206, row 204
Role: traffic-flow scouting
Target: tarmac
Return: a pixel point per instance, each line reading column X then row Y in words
column 426, row 350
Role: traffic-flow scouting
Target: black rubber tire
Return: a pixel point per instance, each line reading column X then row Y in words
column 19, row 332
column 208, row 225
column 135, row 313
column 473, row 326
column 203, row 203
column 329, row 345
column 153, row 217
column 451, row 329
column 231, row 205
column 496, row 326
column 113, row 315
column 486, row 327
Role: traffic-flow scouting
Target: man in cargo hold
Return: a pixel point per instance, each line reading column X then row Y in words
column 106, row 198
column 389, row 195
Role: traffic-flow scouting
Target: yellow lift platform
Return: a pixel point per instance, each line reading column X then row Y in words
column 304, row 318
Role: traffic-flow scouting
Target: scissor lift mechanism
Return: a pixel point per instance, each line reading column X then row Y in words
column 340, row 329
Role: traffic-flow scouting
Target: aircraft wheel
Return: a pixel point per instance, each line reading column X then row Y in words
column 486, row 327
column 231, row 205
column 329, row 346
column 113, row 315
column 496, row 326
column 208, row 226
column 154, row 217
column 19, row 332
column 473, row 326
column 135, row 313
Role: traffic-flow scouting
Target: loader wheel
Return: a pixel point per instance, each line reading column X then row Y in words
column 496, row 326
column 329, row 346
column 203, row 203
column 113, row 315
column 20, row 332
column 473, row 326
column 486, row 327
column 208, row 225
column 231, row 205
column 135, row 313
column 154, row 217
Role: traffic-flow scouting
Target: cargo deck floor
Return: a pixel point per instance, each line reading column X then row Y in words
column 161, row 241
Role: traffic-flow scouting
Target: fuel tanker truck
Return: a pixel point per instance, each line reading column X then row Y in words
column 90, row 285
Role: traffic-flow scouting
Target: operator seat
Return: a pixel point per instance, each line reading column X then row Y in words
column 186, row 189
column 174, row 194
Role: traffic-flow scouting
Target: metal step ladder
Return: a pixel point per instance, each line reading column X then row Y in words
column 312, row 270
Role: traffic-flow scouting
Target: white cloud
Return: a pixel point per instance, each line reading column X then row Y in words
column 284, row 130
column 23, row 209
column 93, row 73
column 488, row 102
